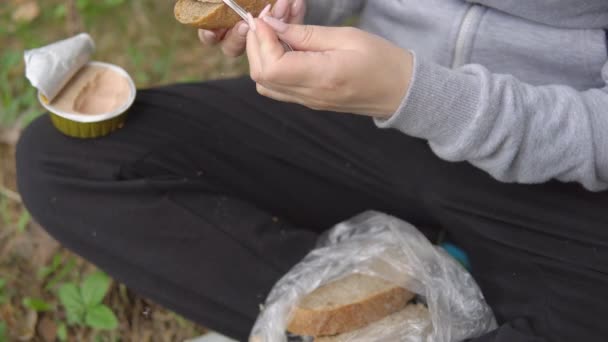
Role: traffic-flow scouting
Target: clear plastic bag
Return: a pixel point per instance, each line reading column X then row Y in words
column 380, row 245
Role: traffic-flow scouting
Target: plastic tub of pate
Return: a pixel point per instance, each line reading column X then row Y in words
column 85, row 99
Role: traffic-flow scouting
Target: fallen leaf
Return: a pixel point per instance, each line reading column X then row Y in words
column 36, row 246
column 47, row 329
column 27, row 330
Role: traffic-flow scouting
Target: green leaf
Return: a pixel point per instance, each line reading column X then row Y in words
column 114, row 3
column 24, row 219
column 70, row 298
column 82, row 4
column 94, row 288
column 65, row 270
column 3, row 297
column 10, row 59
column 101, row 317
column 45, row 271
column 60, row 11
column 36, row 304
column 3, row 332
column 62, row 332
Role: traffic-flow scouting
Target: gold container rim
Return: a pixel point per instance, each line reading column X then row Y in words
column 96, row 117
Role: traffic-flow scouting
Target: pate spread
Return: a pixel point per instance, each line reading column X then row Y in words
column 93, row 90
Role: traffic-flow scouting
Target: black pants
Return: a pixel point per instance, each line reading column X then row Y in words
column 211, row 193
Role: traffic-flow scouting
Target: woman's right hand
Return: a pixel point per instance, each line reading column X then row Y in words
column 233, row 41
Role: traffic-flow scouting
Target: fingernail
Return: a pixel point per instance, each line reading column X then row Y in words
column 296, row 7
column 251, row 22
column 276, row 24
column 265, row 11
column 209, row 36
column 243, row 29
column 280, row 9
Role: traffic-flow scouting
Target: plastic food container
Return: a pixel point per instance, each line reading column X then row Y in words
column 91, row 125
column 58, row 69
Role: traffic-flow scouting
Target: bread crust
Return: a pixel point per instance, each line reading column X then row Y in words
column 412, row 313
column 350, row 317
column 222, row 17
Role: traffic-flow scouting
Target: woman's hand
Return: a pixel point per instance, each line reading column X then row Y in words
column 338, row 69
column 233, row 41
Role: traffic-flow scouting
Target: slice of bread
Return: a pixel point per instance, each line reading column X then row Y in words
column 412, row 314
column 214, row 14
column 347, row 304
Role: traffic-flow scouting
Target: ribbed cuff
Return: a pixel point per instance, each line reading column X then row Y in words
column 599, row 128
column 600, row 138
column 439, row 105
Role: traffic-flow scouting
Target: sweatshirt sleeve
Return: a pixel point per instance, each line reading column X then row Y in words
column 331, row 12
column 515, row 131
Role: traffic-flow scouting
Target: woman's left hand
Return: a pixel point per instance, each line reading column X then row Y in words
column 340, row 69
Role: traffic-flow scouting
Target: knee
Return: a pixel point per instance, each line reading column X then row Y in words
column 34, row 180
column 28, row 156
column 48, row 172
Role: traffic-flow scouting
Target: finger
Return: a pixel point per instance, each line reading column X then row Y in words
column 299, row 94
column 221, row 33
column 297, row 12
column 211, row 37
column 208, row 37
column 234, row 43
column 270, row 47
column 309, row 37
column 290, row 98
column 265, row 11
column 279, row 10
column 276, row 95
column 296, row 68
column 253, row 55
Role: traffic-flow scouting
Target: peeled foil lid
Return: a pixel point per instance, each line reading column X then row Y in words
column 51, row 67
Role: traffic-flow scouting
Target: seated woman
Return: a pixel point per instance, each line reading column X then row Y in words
column 498, row 112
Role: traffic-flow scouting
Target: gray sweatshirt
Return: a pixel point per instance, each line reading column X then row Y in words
column 517, row 88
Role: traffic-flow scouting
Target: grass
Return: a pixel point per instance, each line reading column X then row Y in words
column 139, row 35
column 142, row 37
